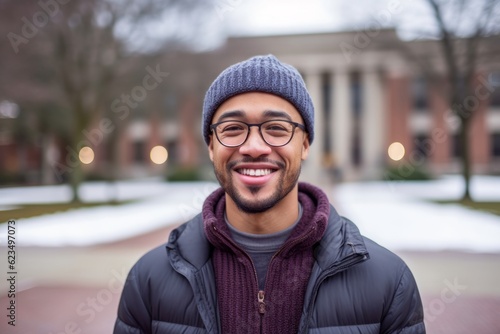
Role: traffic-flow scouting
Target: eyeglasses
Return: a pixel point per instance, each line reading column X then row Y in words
column 274, row 132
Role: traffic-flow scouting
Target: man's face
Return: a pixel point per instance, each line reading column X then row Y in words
column 255, row 175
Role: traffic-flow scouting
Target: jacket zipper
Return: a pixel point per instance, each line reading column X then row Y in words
column 261, row 293
column 262, row 304
column 261, row 308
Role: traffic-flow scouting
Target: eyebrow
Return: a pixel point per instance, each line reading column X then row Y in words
column 277, row 114
column 267, row 114
column 231, row 114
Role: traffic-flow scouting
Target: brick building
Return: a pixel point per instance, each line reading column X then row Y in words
column 368, row 89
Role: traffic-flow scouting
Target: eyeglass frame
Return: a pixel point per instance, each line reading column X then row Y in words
column 259, row 126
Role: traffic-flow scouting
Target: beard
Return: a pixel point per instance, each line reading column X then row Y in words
column 286, row 183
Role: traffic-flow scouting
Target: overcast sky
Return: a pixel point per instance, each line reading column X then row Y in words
column 412, row 18
column 263, row 17
column 259, row 17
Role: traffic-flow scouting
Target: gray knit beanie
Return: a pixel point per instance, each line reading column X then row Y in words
column 259, row 74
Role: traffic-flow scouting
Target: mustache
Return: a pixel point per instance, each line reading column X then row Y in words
column 233, row 164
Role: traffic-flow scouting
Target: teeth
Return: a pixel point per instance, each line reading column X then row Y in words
column 255, row 172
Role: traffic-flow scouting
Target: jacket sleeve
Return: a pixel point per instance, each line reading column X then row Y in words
column 134, row 316
column 405, row 314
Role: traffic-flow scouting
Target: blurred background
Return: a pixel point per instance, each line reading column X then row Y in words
column 101, row 153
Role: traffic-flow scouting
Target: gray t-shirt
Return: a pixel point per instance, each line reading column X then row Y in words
column 262, row 247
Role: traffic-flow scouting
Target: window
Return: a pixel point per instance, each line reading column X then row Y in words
column 419, row 92
column 495, row 145
column 139, row 147
column 171, row 146
column 494, row 81
column 456, row 145
column 422, row 147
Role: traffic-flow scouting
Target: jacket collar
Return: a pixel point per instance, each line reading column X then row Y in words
column 188, row 242
column 340, row 241
column 306, row 233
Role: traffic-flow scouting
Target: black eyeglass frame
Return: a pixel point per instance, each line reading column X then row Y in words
column 259, row 126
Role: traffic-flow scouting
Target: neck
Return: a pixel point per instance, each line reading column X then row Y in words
column 281, row 216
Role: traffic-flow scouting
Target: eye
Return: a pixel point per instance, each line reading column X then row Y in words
column 231, row 128
column 276, row 128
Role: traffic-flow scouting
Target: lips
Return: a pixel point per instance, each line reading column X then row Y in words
column 255, row 174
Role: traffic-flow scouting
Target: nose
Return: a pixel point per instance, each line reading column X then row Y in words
column 255, row 145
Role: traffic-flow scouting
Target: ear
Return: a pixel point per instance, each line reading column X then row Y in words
column 305, row 147
column 211, row 147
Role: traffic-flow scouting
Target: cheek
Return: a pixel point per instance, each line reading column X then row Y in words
column 291, row 157
column 299, row 151
column 219, row 155
column 215, row 151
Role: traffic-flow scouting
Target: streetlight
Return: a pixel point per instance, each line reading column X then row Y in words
column 396, row 151
column 158, row 155
column 86, row 155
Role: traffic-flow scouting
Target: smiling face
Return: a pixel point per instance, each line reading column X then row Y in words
column 257, row 176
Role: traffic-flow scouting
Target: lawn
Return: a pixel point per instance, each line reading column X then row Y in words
column 32, row 210
column 492, row 207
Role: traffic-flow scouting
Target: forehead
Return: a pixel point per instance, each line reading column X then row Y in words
column 256, row 106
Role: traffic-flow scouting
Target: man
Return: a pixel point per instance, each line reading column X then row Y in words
column 267, row 254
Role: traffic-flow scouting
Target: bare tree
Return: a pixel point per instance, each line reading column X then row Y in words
column 467, row 34
column 26, row 80
column 91, row 49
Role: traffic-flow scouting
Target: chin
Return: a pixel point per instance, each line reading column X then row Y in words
column 258, row 199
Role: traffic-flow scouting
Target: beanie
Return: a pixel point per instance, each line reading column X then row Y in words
column 259, row 74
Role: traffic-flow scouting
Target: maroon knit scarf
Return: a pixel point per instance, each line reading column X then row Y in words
column 288, row 273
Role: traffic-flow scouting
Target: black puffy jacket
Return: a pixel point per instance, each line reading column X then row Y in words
column 356, row 286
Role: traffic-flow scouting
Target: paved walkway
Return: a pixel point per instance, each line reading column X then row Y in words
column 76, row 289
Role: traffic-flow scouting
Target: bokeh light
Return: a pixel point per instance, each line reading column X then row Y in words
column 396, row 151
column 86, row 155
column 159, row 155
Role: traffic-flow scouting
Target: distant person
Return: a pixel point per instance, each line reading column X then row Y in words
column 267, row 254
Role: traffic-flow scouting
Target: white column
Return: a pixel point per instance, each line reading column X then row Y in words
column 312, row 169
column 341, row 122
column 372, row 124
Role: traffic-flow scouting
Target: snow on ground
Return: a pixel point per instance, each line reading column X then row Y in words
column 88, row 192
column 397, row 215
column 400, row 215
column 159, row 205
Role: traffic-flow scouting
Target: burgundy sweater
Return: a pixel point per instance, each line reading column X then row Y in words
column 243, row 308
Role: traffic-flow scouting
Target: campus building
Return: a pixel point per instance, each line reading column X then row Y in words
column 370, row 94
